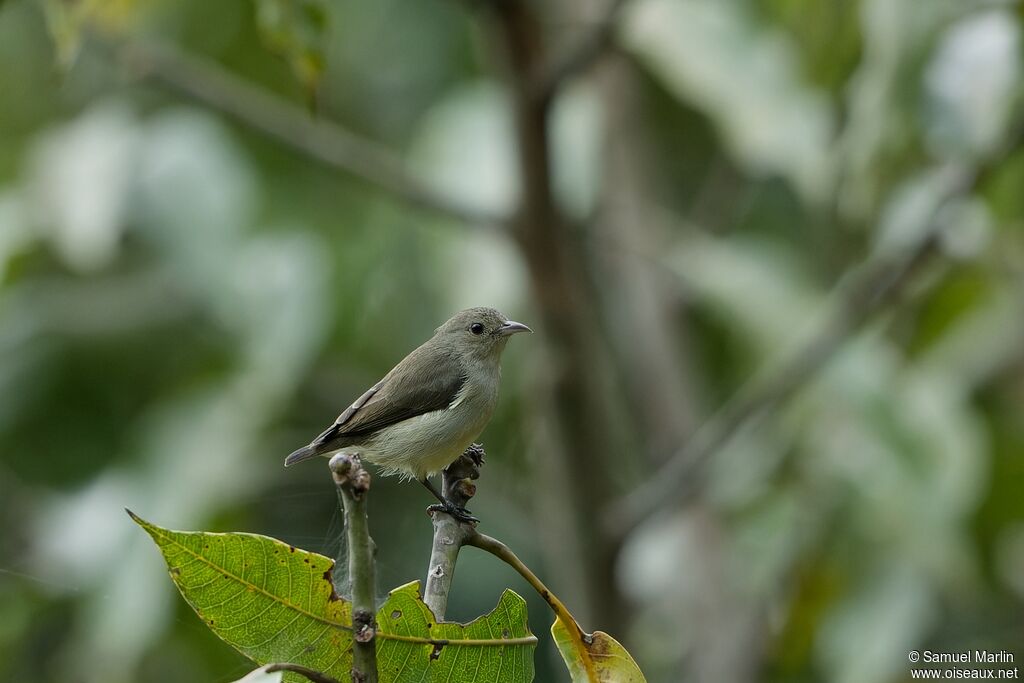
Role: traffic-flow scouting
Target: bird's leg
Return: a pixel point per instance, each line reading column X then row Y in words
column 448, row 507
column 433, row 490
column 456, row 511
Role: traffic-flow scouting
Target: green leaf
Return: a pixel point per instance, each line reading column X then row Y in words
column 276, row 603
column 602, row 659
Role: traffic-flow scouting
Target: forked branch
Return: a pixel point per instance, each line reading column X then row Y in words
column 450, row 535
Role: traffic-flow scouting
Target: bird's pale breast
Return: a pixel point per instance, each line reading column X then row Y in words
column 429, row 442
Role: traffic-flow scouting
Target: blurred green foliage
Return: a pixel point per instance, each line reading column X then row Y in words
column 183, row 300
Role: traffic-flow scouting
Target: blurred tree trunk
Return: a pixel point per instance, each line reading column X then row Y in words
column 729, row 644
column 647, row 327
column 573, row 403
column 642, row 312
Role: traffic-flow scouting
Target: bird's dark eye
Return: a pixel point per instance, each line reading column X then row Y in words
column 477, row 328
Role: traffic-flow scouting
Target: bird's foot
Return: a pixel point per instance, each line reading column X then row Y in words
column 457, row 511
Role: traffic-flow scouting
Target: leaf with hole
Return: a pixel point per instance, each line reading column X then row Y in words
column 276, row 603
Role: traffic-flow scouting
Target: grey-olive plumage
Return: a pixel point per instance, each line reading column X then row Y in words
column 424, row 413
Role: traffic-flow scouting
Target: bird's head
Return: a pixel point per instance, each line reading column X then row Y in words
column 480, row 332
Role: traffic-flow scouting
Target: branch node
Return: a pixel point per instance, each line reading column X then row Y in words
column 348, row 472
column 457, row 479
column 363, row 626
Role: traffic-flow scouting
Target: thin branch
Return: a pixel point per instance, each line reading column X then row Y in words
column 305, row 671
column 677, row 478
column 581, row 639
column 871, row 288
column 328, row 143
column 505, row 554
column 353, row 483
column 459, row 489
column 580, row 55
column 449, row 533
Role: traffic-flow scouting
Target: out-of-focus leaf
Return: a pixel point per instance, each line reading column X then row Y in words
column 758, row 286
column 867, row 637
column 883, row 96
column 972, row 83
column 69, row 20
column 908, row 216
column 296, row 30
column 274, row 602
column 577, row 130
column 463, row 148
column 15, row 235
column 1009, row 557
column 602, row 660
column 80, row 184
column 746, row 77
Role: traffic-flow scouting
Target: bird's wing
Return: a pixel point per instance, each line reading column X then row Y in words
column 404, row 392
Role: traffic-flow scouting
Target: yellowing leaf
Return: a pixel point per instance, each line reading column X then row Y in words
column 276, row 603
column 599, row 658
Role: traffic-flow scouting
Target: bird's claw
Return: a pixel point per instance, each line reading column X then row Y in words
column 475, row 452
column 457, row 511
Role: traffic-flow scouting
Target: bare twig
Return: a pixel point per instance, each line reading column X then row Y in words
column 449, row 533
column 305, row 671
column 353, row 483
column 579, row 55
column 328, row 143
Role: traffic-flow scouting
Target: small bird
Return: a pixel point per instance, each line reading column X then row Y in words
column 430, row 407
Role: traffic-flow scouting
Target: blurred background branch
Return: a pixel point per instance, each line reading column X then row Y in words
column 581, row 54
column 870, row 287
column 318, row 139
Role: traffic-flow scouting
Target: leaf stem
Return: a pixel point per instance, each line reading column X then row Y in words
column 309, row 674
column 353, row 483
column 450, row 535
column 581, row 639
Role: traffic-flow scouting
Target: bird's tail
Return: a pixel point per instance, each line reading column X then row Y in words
column 304, row 453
